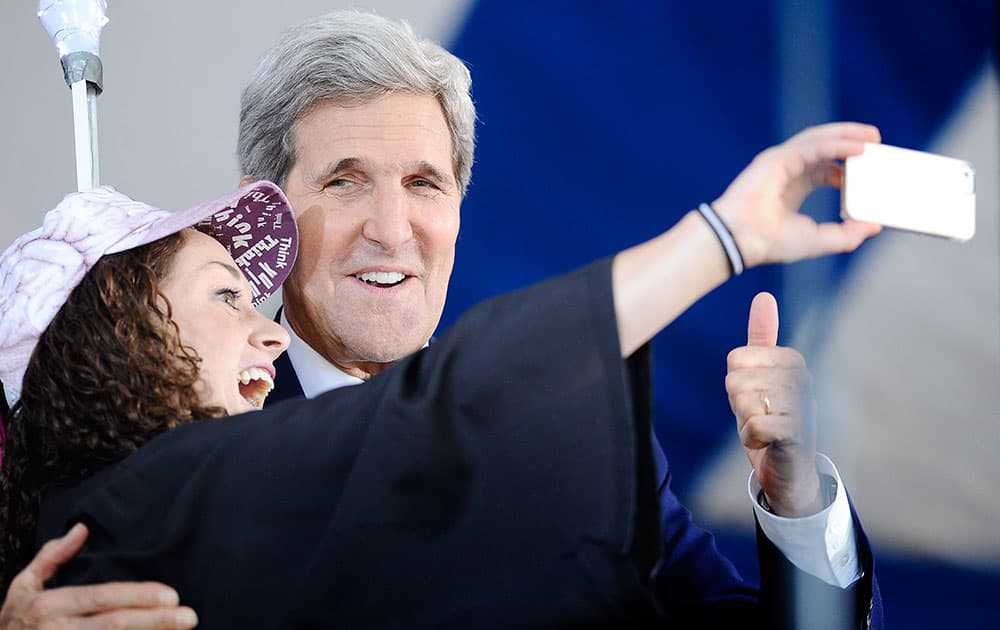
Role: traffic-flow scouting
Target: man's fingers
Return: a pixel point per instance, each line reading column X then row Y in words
column 174, row 618
column 746, row 357
column 776, row 401
column 762, row 325
column 763, row 430
column 53, row 555
column 794, row 378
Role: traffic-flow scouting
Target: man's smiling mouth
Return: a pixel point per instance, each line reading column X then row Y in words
column 382, row 279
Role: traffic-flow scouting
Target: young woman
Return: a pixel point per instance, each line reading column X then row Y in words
column 94, row 302
column 502, row 476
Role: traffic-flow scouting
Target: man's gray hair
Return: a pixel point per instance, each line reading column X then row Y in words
column 347, row 57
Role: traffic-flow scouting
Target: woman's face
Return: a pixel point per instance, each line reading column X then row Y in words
column 210, row 301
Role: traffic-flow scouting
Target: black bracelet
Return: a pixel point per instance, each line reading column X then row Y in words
column 725, row 237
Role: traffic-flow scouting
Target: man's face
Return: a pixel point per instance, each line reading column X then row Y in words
column 377, row 205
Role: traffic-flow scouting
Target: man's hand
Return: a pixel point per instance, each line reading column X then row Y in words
column 761, row 206
column 769, row 392
column 138, row 605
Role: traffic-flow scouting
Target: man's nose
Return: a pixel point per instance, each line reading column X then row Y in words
column 388, row 223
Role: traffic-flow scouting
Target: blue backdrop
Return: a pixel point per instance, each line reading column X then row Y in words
column 601, row 124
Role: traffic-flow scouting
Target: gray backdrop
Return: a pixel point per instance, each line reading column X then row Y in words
column 173, row 72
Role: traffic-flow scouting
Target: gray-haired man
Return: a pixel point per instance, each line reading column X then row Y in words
column 369, row 131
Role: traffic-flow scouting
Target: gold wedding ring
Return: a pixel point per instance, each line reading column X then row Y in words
column 767, row 405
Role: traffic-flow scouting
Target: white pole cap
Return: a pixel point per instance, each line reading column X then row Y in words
column 74, row 25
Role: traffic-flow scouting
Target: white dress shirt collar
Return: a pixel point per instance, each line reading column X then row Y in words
column 315, row 374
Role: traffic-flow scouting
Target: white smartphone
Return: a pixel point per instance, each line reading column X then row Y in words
column 910, row 190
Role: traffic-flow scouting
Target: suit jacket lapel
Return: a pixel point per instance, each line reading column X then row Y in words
column 286, row 382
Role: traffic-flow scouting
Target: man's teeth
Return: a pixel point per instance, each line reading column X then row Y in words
column 262, row 385
column 381, row 277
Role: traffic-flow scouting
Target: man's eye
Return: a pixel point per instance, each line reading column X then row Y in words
column 340, row 182
column 423, row 183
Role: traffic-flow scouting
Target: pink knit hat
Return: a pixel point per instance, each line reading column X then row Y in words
column 42, row 267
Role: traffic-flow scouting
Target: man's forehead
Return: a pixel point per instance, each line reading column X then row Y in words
column 399, row 131
column 389, row 115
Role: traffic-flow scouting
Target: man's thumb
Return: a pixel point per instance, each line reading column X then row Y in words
column 762, row 327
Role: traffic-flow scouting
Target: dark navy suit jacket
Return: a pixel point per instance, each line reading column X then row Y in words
column 439, row 494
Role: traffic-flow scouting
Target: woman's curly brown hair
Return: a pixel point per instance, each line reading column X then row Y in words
column 109, row 374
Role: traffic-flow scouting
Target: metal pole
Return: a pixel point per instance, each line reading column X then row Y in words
column 75, row 27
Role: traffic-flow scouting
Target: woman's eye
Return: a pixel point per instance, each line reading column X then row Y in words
column 231, row 297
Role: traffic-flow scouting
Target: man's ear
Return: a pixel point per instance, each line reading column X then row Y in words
column 246, row 179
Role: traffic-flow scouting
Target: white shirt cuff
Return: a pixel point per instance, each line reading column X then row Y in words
column 821, row 544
